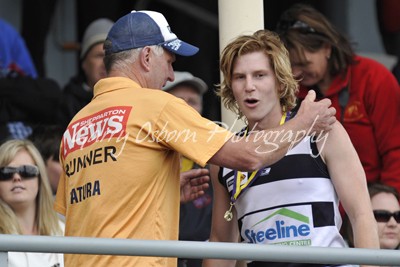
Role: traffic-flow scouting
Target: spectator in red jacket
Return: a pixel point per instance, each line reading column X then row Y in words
column 365, row 94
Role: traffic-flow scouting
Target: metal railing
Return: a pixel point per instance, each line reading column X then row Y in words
column 193, row 249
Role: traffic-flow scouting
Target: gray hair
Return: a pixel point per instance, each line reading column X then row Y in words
column 123, row 59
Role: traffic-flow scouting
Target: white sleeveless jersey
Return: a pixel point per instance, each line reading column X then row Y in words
column 292, row 202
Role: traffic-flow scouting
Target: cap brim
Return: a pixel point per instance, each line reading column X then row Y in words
column 180, row 48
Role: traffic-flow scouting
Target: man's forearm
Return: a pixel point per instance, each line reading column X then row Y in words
column 261, row 148
column 270, row 145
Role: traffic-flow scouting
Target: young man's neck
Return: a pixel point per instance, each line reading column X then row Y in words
column 268, row 122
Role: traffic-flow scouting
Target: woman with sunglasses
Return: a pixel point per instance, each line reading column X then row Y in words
column 385, row 204
column 26, row 201
column 365, row 94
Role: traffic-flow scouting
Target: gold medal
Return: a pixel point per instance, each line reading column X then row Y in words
column 228, row 216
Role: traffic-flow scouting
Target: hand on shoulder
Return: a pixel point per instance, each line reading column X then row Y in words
column 319, row 115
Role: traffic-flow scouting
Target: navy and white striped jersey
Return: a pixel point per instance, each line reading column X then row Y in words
column 292, row 202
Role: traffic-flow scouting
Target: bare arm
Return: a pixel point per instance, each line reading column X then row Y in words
column 350, row 183
column 221, row 230
column 266, row 147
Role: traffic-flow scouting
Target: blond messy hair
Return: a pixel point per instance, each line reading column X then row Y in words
column 269, row 43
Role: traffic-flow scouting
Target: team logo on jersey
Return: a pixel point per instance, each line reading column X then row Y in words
column 283, row 227
column 103, row 125
column 243, row 178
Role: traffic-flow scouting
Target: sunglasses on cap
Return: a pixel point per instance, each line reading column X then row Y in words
column 298, row 25
column 384, row 216
column 25, row 171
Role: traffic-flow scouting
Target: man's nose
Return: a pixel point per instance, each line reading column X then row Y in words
column 249, row 86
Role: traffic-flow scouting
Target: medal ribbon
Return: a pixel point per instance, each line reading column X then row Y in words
column 238, row 187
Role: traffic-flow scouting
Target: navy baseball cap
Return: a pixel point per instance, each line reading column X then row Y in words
column 145, row 28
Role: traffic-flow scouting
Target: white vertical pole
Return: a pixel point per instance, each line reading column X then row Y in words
column 237, row 17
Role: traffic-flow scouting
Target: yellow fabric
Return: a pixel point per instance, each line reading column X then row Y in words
column 186, row 164
column 121, row 171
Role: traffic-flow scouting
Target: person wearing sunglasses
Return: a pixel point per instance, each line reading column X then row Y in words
column 26, row 201
column 365, row 94
column 385, row 204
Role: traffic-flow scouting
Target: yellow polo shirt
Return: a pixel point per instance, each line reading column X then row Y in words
column 121, row 159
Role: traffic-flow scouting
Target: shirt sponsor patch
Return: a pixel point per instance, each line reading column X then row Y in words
column 105, row 124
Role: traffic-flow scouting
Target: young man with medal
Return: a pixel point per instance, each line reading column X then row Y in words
column 294, row 201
